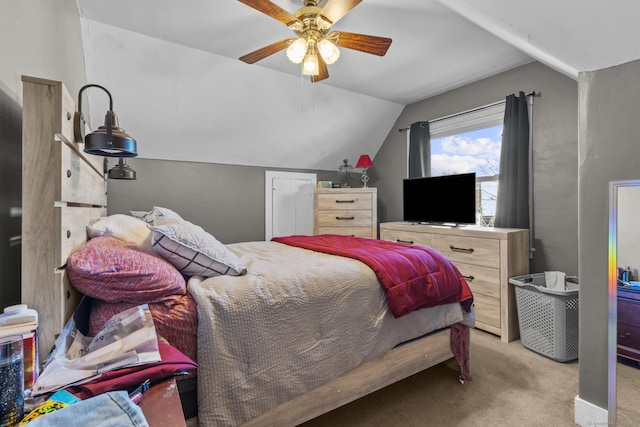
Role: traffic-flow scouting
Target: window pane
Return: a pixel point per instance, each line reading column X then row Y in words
column 477, row 151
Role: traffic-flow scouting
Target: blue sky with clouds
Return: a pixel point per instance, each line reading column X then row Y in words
column 477, row 151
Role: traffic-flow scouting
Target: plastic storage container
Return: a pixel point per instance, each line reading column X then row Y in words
column 548, row 318
column 11, row 381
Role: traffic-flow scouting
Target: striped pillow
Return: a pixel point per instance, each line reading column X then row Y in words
column 192, row 250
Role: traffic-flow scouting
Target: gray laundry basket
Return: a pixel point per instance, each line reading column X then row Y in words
column 548, row 318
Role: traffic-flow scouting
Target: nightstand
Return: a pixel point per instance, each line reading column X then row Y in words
column 161, row 405
column 346, row 211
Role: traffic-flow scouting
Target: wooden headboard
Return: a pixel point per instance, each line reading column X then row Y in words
column 63, row 190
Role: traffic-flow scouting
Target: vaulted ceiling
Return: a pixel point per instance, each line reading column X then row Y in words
column 180, row 90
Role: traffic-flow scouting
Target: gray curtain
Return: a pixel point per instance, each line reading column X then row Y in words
column 419, row 150
column 512, row 204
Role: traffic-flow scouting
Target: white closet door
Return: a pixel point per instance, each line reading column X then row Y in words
column 288, row 203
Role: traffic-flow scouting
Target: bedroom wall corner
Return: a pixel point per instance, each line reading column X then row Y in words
column 609, row 101
column 587, row 414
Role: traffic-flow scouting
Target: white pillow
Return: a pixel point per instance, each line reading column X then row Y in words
column 156, row 212
column 123, row 227
column 192, row 250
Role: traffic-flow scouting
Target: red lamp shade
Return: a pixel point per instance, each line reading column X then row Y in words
column 364, row 162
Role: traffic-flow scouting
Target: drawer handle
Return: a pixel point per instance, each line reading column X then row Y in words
column 345, row 201
column 465, row 250
column 469, row 278
column 626, row 335
column 345, row 218
column 409, row 242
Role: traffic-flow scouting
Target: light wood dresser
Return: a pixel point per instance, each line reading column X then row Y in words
column 347, row 211
column 487, row 257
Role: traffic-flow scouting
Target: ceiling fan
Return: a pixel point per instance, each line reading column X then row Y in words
column 316, row 46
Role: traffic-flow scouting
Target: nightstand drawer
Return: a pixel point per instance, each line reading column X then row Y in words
column 407, row 237
column 471, row 250
column 629, row 311
column 348, row 231
column 344, row 218
column 350, row 201
column 628, row 335
column 487, row 310
column 481, row 280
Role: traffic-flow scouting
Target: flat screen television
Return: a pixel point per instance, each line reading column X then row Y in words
column 446, row 199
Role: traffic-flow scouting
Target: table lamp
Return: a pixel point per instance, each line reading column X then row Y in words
column 364, row 162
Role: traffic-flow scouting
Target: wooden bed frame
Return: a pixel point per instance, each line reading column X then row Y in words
column 64, row 190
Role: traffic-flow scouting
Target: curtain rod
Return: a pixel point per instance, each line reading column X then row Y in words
column 533, row 93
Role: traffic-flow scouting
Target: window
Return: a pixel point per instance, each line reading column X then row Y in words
column 471, row 142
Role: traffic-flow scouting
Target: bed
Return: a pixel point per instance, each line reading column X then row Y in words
column 302, row 352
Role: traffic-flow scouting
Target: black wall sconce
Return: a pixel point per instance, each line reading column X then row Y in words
column 120, row 171
column 108, row 140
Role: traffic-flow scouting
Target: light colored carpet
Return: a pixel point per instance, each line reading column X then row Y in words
column 511, row 386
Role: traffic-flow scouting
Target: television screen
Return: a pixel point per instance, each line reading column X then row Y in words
column 440, row 199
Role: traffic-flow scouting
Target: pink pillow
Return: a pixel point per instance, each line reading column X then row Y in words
column 112, row 270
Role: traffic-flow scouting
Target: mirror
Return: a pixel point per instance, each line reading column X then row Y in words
column 624, row 301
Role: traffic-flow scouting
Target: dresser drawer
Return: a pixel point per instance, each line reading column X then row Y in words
column 344, row 219
column 408, row 237
column 471, row 250
column 628, row 335
column 481, row 280
column 351, row 201
column 348, row 231
column 487, row 310
column 629, row 311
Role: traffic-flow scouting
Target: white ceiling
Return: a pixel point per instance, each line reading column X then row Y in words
column 180, row 90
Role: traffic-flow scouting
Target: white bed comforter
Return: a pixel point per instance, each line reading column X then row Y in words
column 297, row 319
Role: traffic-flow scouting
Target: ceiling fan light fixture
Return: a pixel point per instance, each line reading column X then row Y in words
column 310, row 66
column 322, row 23
column 297, row 50
column 329, row 51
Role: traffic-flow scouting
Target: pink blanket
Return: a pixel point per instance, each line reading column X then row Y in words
column 413, row 277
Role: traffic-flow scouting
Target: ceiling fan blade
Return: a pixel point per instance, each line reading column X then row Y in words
column 324, row 72
column 262, row 53
column 362, row 42
column 271, row 9
column 334, row 10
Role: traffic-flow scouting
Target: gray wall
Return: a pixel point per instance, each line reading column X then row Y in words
column 226, row 200
column 555, row 155
column 609, row 151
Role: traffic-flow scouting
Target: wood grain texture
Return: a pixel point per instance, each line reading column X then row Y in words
column 346, row 211
column 364, row 43
column 497, row 254
column 62, row 191
column 271, row 9
column 269, row 50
